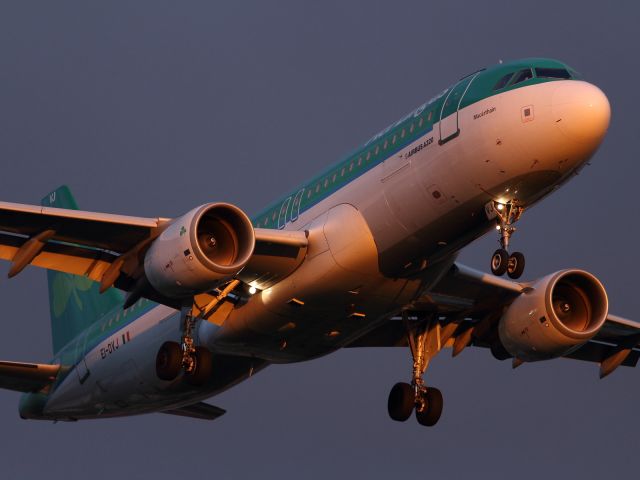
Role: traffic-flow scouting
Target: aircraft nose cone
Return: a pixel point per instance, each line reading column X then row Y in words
column 582, row 111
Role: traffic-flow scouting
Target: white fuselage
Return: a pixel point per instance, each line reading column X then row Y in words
column 374, row 246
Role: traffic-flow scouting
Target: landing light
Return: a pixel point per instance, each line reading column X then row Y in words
column 252, row 290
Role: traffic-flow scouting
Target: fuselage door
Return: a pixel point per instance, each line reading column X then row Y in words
column 295, row 208
column 81, row 365
column 449, row 125
column 284, row 209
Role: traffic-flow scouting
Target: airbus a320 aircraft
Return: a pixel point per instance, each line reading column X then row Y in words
column 157, row 314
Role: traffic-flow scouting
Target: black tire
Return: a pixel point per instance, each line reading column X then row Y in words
column 401, row 402
column 169, row 361
column 515, row 267
column 432, row 411
column 499, row 262
column 204, row 367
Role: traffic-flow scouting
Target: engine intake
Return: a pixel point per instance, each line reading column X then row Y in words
column 199, row 250
column 555, row 316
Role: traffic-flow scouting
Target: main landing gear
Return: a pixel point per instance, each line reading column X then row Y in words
column 404, row 398
column 174, row 357
column 501, row 262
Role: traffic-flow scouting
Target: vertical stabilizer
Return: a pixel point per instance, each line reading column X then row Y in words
column 74, row 301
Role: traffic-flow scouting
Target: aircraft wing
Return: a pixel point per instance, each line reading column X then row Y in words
column 71, row 241
column 27, row 377
column 89, row 244
column 469, row 303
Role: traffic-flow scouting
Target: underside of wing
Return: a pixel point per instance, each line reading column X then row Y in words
column 118, row 233
column 73, row 241
column 276, row 255
column 165, row 260
column 467, row 307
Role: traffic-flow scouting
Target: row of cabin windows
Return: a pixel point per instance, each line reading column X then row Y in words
column 271, row 218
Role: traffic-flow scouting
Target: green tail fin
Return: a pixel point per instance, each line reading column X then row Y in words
column 74, row 301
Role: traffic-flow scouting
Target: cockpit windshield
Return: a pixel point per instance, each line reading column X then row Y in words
column 522, row 75
column 503, row 81
column 553, row 73
column 514, row 78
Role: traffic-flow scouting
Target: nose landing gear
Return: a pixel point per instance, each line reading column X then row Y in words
column 404, row 398
column 501, row 262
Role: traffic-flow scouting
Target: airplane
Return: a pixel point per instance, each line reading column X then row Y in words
column 158, row 314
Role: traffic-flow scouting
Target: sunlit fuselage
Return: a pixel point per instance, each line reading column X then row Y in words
column 375, row 244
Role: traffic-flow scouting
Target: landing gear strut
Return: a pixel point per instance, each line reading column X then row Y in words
column 404, row 398
column 173, row 357
column 501, row 262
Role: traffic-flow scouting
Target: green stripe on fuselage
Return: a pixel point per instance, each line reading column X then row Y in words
column 98, row 332
column 382, row 146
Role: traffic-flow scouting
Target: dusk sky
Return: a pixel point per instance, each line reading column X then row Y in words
column 151, row 108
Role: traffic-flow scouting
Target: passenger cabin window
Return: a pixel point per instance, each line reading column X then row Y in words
column 553, row 73
column 521, row 76
column 503, row 81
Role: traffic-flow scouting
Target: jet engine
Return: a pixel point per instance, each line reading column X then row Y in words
column 200, row 250
column 555, row 316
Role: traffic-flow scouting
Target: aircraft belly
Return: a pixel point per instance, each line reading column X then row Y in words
column 125, row 382
column 118, row 368
column 334, row 294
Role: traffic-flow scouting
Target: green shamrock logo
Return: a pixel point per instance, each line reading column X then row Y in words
column 65, row 287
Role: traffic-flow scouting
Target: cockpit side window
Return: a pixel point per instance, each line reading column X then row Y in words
column 503, row 81
column 522, row 75
column 553, row 73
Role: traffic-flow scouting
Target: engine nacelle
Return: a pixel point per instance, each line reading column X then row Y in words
column 199, row 250
column 557, row 315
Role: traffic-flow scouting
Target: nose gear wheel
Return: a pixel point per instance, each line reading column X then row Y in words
column 515, row 266
column 501, row 262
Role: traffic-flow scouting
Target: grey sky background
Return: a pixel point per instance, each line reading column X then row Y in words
column 153, row 107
